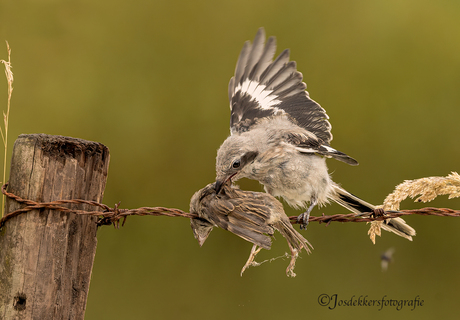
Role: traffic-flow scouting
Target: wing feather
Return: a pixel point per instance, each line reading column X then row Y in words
column 264, row 88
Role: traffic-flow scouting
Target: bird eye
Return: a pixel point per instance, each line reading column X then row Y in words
column 236, row 164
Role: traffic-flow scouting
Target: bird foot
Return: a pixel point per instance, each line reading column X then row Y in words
column 290, row 268
column 254, row 251
column 303, row 220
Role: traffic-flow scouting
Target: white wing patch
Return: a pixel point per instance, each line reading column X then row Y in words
column 306, row 150
column 329, row 149
column 259, row 93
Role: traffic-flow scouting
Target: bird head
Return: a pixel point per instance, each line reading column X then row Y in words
column 233, row 158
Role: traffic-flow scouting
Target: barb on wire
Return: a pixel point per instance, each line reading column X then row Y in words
column 113, row 215
column 107, row 216
column 371, row 216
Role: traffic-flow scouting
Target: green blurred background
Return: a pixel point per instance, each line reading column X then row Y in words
column 149, row 80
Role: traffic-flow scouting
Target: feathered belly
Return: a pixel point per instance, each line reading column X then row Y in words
column 301, row 198
column 300, row 181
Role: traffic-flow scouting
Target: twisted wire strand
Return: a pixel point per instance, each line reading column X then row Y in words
column 113, row 215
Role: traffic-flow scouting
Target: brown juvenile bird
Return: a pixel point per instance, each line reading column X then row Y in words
column 252, row 216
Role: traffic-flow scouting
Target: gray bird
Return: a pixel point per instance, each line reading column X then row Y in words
column 250, row 215
column 281, row 137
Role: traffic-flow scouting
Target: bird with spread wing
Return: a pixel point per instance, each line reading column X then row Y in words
column 281, row 137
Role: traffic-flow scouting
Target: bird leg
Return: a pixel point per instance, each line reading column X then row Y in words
column 290, row 268
column 252, row 255
column 303, row 218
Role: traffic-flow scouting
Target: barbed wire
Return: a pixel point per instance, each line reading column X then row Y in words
column 113, row 215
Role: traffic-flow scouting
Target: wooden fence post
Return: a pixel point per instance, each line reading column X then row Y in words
column 46, row 256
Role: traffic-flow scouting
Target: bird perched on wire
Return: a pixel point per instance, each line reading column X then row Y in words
column 281, row 137
column 252, row 216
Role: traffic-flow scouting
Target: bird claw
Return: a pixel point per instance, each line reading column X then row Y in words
column 290, row 269
column 254, row 251
column 303, row 220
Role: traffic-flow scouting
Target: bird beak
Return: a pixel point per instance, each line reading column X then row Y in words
column 219, row 184
column 201, row 229
column 201, row 236
column 220, row 181
column 202, row 239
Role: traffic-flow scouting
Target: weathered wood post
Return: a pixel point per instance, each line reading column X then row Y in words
column 46, row 256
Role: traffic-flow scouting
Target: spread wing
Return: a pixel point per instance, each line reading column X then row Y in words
column 263, row 87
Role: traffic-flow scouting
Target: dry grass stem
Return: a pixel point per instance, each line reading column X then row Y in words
column 425, row 189
column 375, row 230
column 4, row 131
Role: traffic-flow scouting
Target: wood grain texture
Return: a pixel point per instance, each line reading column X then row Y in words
column 46, row 257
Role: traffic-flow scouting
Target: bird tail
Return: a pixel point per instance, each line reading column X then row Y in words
column 294, row 238
column 357, row 205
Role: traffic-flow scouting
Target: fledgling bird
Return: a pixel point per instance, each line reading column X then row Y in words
column 250, row 215
column 281, row 137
